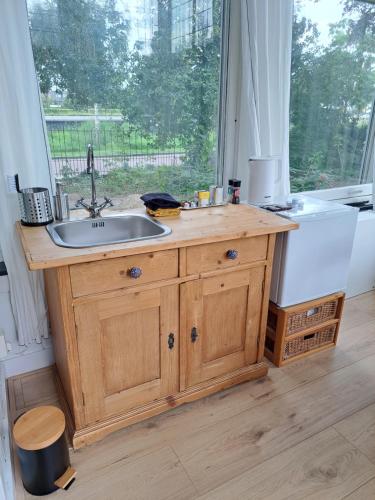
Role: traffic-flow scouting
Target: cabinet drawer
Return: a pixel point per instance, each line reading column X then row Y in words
column 213, row 256
column 112, row 274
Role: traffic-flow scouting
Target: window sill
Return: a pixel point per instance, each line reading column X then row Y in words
column 347, row 193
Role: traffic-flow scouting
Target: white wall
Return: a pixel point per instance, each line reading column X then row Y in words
column 362, row 264
column 19, row 359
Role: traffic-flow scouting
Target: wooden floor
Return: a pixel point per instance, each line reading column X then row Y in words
column 307, row 431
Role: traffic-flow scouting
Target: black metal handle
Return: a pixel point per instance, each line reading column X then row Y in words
column 135, row 272
column 194, row 334
column 171, row 340
column 232, row 254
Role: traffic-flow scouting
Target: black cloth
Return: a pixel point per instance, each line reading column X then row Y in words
column 154, row 201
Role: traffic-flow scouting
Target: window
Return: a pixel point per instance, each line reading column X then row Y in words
column 332, row 93
column 137, row 79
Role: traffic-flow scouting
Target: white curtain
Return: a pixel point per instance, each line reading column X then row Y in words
column 23, row 151
column 264, row 64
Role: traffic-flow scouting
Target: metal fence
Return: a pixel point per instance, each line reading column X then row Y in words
column 116, row 145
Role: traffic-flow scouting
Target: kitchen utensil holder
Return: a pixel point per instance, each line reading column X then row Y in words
column 35, row 205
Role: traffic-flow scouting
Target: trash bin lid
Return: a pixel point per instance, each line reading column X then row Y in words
column 39, row 428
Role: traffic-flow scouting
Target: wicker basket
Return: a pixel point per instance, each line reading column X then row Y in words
column 305, row 343
column 296, row 330
column 310, row 317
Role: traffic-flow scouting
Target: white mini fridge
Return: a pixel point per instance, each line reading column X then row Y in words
column 313, row 261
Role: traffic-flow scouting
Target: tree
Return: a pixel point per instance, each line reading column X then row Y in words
column 81, row 47
column 331, row 95
column 173, row 94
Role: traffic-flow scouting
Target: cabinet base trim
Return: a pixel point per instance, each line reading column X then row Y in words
column 98, row 431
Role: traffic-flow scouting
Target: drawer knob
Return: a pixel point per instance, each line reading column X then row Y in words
column 232, row 254
column 135, row 272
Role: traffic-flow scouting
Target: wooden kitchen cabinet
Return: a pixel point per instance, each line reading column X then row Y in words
column 190, row 322
column 128, row 350
column 220, row 324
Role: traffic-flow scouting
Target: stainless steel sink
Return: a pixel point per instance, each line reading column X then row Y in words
column 106, row 230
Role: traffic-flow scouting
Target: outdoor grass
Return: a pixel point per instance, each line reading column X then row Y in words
column 71, row 139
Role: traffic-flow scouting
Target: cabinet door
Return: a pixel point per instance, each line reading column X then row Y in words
column 220, row 324
column 128, row 350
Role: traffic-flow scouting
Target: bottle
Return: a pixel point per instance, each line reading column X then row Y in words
column 61, row 201
column 219, row 195
column 212, row 194
column 230, row 190
column 195, row 200
column 236, row 188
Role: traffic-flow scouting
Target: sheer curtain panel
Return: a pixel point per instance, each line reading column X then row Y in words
column 264, row 85
column 22, row 151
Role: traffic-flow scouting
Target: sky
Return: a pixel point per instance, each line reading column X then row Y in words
column 323, row 13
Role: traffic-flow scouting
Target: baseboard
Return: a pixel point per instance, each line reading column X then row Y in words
column 6, row 473
column 29, row 360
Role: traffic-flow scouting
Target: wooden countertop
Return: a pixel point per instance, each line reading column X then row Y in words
column 192, row 228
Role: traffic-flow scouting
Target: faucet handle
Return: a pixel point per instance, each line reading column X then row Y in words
column 108, row 201
column 81, row 204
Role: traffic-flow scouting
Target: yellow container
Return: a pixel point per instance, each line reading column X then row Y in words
column 203, row 198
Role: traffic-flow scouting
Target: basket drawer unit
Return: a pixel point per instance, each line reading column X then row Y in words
column 121, row 272
column 224, row 254
column 300, row 320
column 295, row 331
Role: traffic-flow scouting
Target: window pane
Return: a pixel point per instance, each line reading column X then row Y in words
column 332, row 91
column 137, row 79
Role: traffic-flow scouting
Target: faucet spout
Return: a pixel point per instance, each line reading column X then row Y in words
column 93, row 209
column 91, row 171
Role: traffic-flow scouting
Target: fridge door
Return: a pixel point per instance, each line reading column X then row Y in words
column 315, row 258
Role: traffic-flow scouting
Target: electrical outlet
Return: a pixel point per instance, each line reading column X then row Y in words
column 3, row 346
column 11, row 184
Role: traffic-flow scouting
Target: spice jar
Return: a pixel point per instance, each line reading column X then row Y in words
column 236, row 188
column 203, row 198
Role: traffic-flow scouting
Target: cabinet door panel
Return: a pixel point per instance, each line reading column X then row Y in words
column 132, row 341
column 125, row 357
column 224, row 323
column 225, row 312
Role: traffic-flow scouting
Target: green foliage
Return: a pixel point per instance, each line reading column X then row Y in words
column 173, row 94
column 168, row 94
column 332, row 89
column 80, row 47
column 177, row 180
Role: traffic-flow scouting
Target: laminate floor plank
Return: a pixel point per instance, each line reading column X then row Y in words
column 221, row 452
column 157, row 475
column 203, row 445
column 365, row 492
column 324, row 466
column 358, row 310
column 354, row 344
column 359, row 429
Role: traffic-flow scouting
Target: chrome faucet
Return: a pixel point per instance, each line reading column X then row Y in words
column 93, row 208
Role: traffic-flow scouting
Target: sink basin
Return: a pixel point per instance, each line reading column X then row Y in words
column 106, row 230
